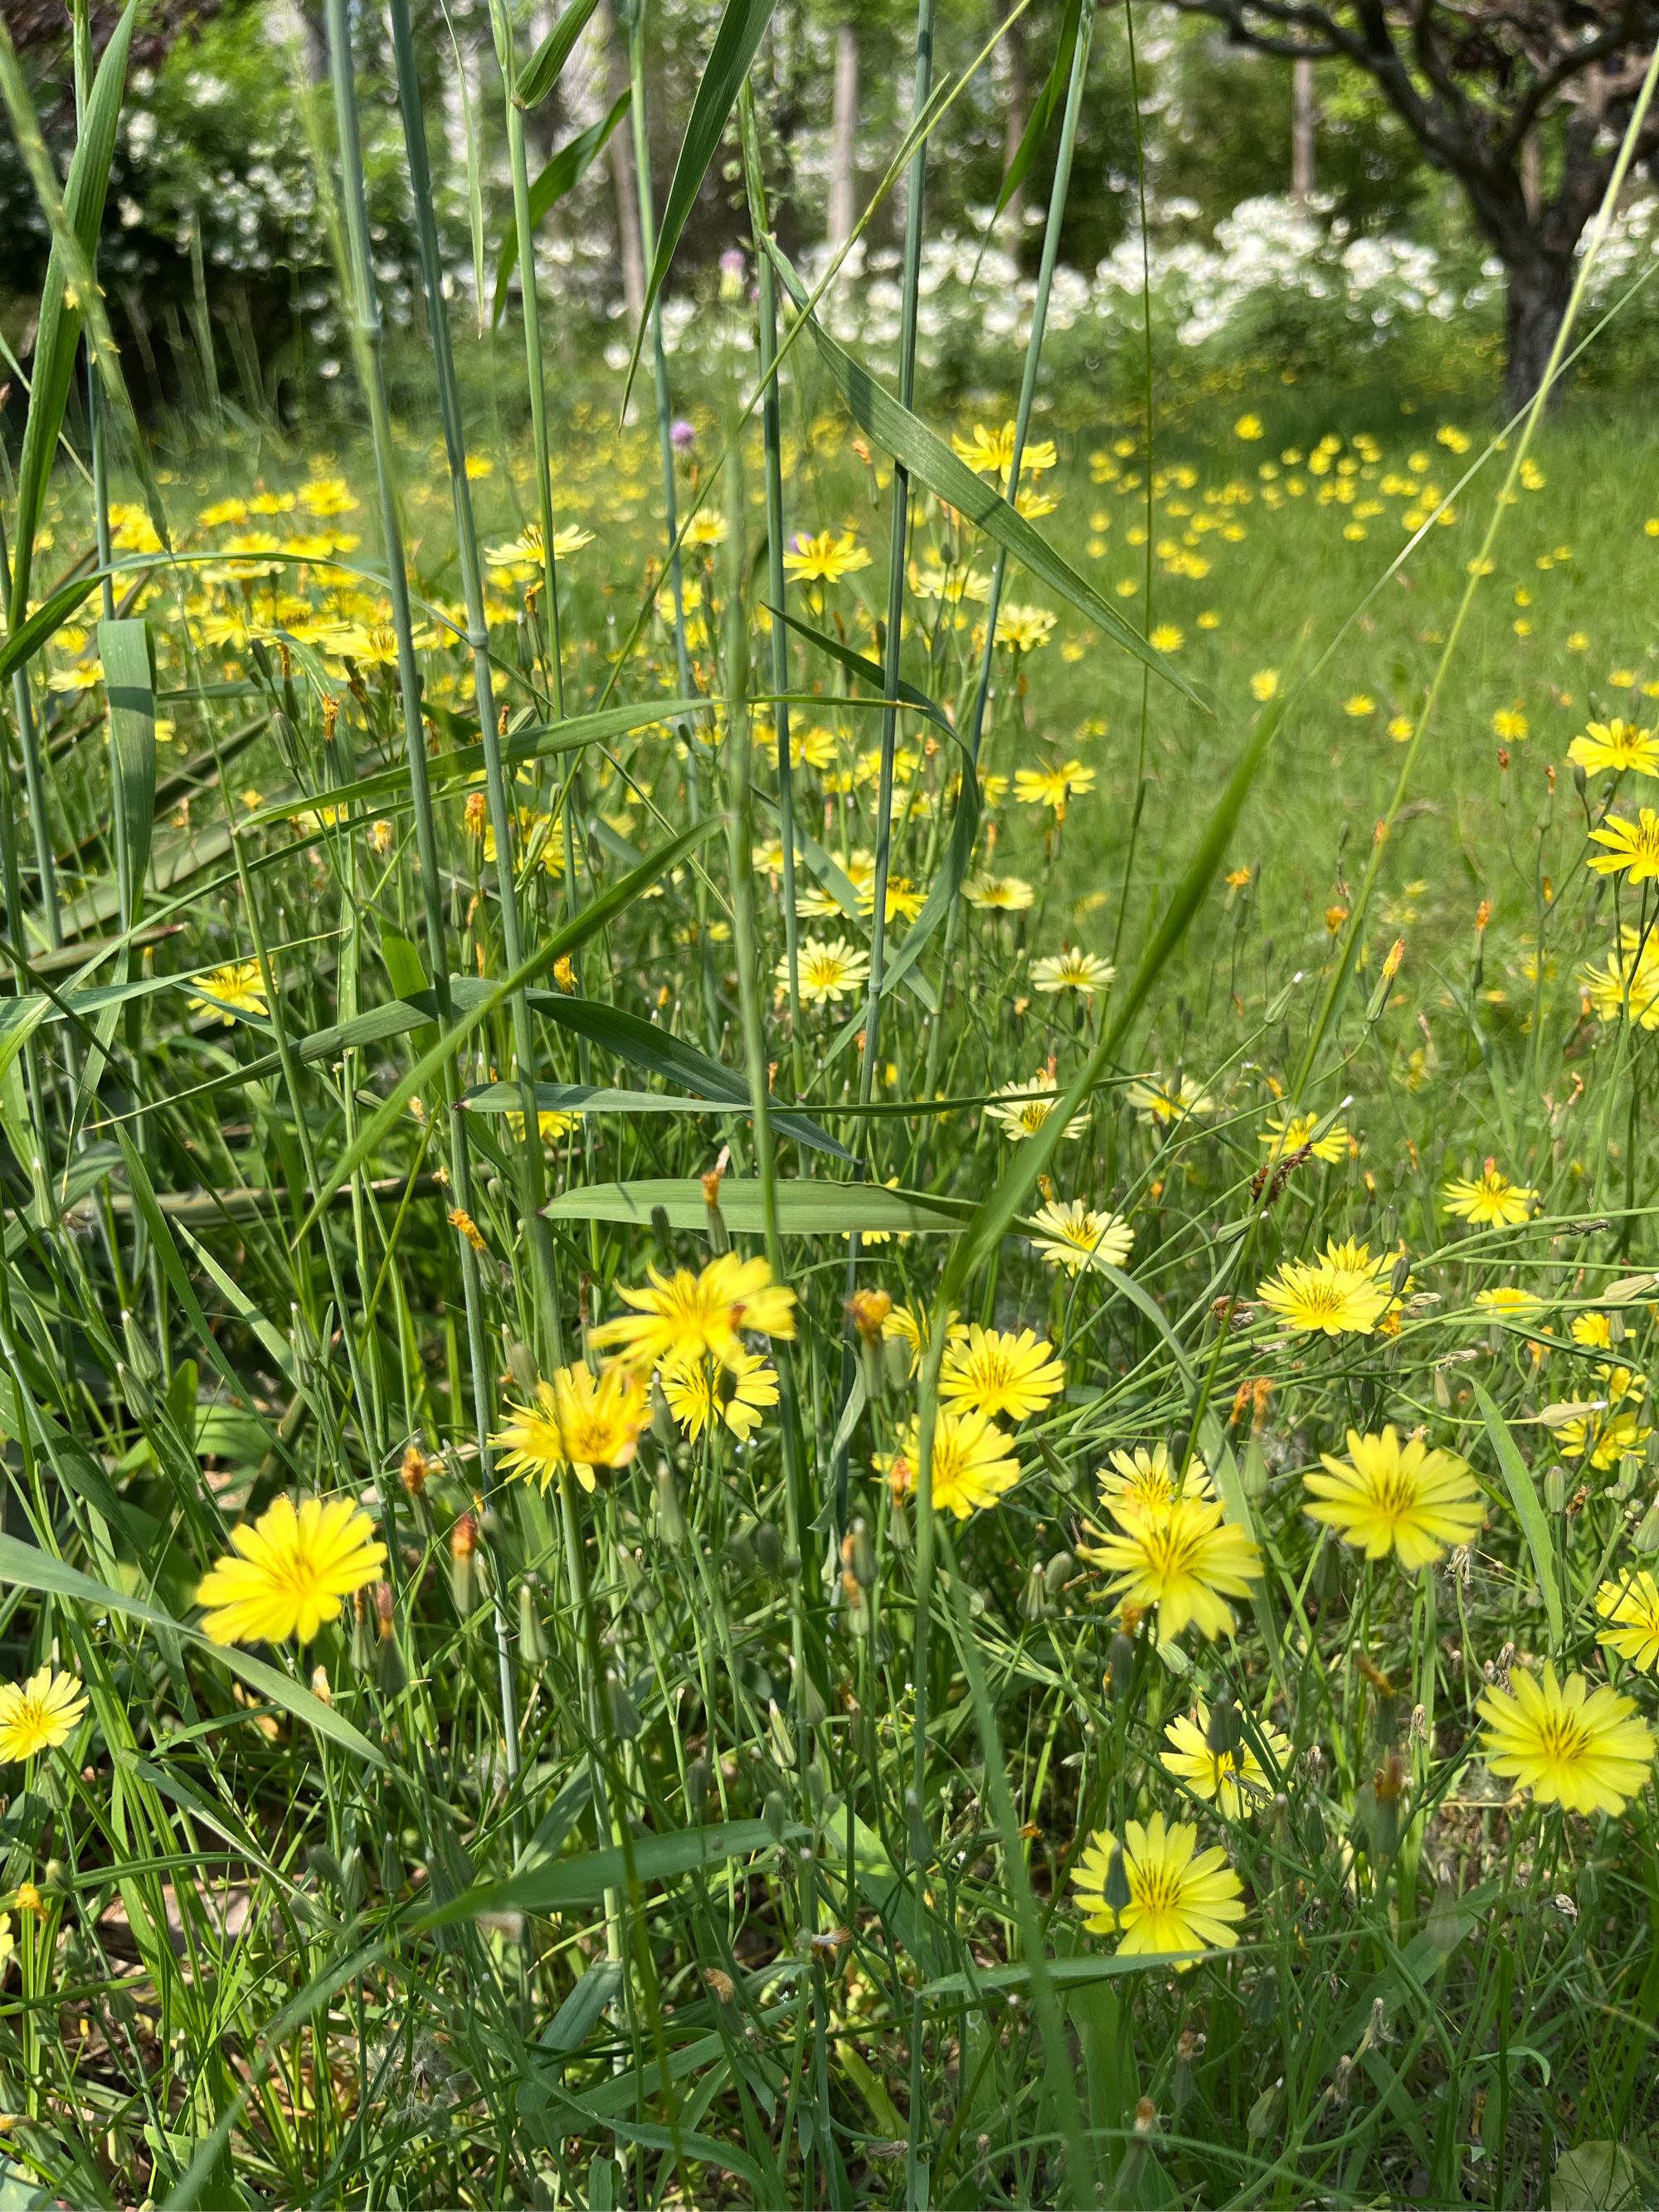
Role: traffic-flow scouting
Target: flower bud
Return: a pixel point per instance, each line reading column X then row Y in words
column 775, row 1811
column 621, row 1711
column 1555, row 1489
column 142, row 1361
column 781, row 1735
column 867, row 1310
column 533, row 1638
column 768, row 1547
column 319, row 1685
column 859, row 1554
column 1646, row 1538
column 1119, row 1668
column 362, row 1636
column 670, row 1520
column 898, row 1526
column 389, row 1667
column 813, row 1711
column 463, row 1566
column 1116, row 1890
column 643, row 1595
column 1058, row 1572
column 520, row 1365
column 719, row 1241
column 1253, row 1475
column 1034, row 1599
column 1260, row 2117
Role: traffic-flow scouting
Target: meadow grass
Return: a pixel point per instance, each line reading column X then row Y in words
column 731, row 1733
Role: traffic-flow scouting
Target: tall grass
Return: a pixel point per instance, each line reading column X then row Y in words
column 702, row 1789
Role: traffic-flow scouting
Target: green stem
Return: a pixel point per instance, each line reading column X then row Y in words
column 773, row 438
column 536, row 1231
column 368, row 345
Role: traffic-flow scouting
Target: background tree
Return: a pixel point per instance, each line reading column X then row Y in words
column 1523, row 104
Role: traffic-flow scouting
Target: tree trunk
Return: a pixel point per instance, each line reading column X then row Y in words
column 843, row 135
column 1539, row 288
column 1013, row 129
column 1302, row 130
column 620, row 149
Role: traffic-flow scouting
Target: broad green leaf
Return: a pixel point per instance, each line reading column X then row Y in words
column 598, row 915
column 546, row 65
column 742, row 25
column 568, row 167
column 804, row 1209
column 1031, row 1158
column 1528, row 1510
column 22, row 1566
column 931, row 463
column 128, row 651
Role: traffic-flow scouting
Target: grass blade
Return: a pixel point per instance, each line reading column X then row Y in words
column 741, row 26
column 931, row 463
column 566, row 169
column 1528, row 1511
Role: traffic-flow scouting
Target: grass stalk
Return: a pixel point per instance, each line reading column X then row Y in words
column 369, row 339
column 529, row 1156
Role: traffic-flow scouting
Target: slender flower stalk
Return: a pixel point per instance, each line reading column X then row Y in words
column 502, row 22
column 916, row 191
column 536, row 1231
column 634, row 15
column 898, row 551
column 740, row 845
column 773, row 438
column 367, row 337
column 1022, row 425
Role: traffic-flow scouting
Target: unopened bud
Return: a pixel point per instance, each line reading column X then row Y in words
column 670, row 1519
column 1116, row 1890
column 363, row 1639
column 1034, row 1599
column 462, row 1565
column 1555, row 1489
column 768, row 1547
column 520, row 1365
column 1120, row 1667
column 1058, row 1572
column 1260, row 2117
column 533, row 1638
column 867, row 1310
column 621, row 1711
column 859, row 1554
column 719, row 1238
column 775, row 1811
